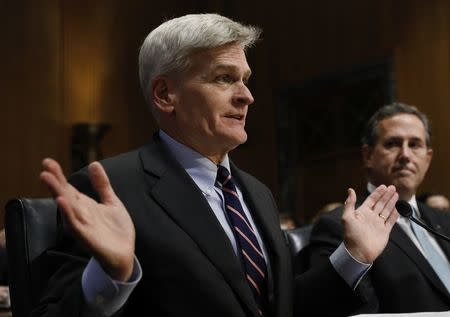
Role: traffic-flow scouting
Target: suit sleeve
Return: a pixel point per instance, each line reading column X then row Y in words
column 63, row 294
column 326, row 236
column 320, row 290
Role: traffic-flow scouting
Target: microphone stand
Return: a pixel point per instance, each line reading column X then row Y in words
column 420, row 223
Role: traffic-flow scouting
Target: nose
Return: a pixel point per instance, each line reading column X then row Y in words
column 405, row 151
column 242, row 95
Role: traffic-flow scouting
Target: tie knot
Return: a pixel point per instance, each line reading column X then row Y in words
column 223, row 176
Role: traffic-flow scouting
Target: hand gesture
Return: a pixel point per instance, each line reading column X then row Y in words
column 105, row 228
column 367, row 229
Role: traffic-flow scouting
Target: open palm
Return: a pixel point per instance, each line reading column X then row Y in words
column 367, row 229
column 105, row 228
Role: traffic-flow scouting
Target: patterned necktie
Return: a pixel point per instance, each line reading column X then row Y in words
column 439, row 265
column 254, row 264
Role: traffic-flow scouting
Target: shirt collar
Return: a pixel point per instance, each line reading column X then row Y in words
column 201, row 169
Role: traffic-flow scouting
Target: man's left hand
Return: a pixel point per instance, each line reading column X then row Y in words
column 367, row 229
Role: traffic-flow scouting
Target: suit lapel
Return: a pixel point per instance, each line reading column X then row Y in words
column 439, row 222
column 183, row 201
column 401, row 239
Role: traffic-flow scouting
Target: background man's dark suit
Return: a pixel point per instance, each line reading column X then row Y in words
column 189, row 266
column 400, row 277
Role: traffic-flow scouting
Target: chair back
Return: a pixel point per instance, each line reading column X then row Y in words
column 31, row 229
column 298, row 242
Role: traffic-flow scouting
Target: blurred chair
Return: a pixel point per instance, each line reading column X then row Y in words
column 31, row 228
column 298, row 242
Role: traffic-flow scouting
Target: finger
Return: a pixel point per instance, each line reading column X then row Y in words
column 374, row 197
column 391, row 221
column 349, row 204
column 383, row 201
column 52, row 166
column 56, row 188
column 389, row 205
column 69, row 214
column 70, row 218
column 52, row 183
column 393, row 215
column 101, row 183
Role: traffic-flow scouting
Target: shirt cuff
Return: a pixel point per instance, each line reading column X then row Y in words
column 349, row 268
column 102, row 293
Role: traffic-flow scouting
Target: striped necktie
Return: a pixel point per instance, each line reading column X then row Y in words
column 252, row 257
column 437, row 262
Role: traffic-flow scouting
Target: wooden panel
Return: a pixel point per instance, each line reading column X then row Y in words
column 31, row 102
column 69, row 61
column 423, row 75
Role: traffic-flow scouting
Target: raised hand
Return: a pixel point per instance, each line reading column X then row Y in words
column 105, row 228
column 367, row 229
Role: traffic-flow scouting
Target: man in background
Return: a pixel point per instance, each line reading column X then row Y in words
column 435, row 200
column 175, row 228
column 413, row 272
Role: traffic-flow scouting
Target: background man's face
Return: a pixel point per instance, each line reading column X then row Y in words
column 400, row 155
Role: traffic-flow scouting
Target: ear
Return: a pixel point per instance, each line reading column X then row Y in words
column 429, row 156
column 367, row 152
column 162, row 93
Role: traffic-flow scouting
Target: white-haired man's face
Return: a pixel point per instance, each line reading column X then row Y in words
column 209, row 102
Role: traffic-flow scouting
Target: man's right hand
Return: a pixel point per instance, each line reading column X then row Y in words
column 105, row 228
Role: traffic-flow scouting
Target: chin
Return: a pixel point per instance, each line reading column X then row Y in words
column 242, row 140
column 404, row 189
column 235, row 138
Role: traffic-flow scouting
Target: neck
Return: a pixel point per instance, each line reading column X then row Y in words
column 406, row 196
column 215, row 156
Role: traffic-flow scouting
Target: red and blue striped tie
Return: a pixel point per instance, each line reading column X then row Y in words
column 254, row 264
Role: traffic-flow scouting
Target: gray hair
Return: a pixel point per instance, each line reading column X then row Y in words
column 371, row 133
column 167, row 48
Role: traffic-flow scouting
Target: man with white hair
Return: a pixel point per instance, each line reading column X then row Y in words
column 175, row 228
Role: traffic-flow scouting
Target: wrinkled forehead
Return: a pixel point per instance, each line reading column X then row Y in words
column 225, row 57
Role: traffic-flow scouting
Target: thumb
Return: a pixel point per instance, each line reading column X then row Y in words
column 349, row 204
column 100, row 182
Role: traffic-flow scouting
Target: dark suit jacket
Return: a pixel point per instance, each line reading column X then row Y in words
column 401, row 279
column 3, row 267
column 189, row 266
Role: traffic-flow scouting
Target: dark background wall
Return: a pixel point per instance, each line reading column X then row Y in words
column 66, row 61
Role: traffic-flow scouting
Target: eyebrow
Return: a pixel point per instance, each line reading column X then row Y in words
column 226, row 66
